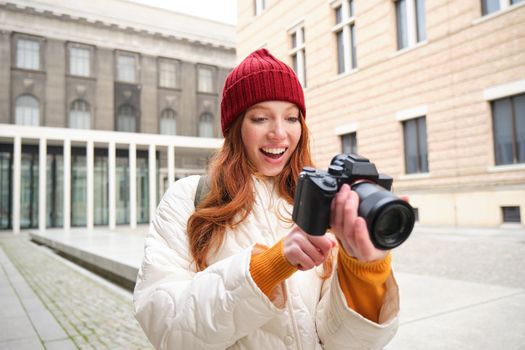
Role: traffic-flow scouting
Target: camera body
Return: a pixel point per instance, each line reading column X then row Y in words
column 390, row 220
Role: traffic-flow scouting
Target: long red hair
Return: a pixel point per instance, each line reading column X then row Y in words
column 231, row 198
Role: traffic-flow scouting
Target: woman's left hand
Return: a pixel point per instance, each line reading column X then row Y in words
column 350, row 229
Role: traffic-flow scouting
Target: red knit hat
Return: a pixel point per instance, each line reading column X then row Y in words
column 259, row 77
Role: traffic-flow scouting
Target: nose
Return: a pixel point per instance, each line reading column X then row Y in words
column 277, row 130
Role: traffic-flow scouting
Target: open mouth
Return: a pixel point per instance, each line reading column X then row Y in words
column 274, row 153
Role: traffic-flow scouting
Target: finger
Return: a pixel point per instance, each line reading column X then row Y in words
column 340, row 200
column 314, row 253
column 364, row 248
column 350, row 214
column 405, row 198
column 322, row 243
column 298, row 258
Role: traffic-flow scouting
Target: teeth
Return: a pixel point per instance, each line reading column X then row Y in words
column 274, row 150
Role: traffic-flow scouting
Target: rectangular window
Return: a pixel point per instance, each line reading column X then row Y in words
column 508, row 120
column 416, row 154
column 79, row 60
column 345, row 36
column 28, row 53
column 349, row 143
column 126, row 67
column 491, row 6
column 416, row 214
column 168, row 73
column 259, row 6
column 298, row 54
column 511, row 214
column 205, row 79
column 410, row 22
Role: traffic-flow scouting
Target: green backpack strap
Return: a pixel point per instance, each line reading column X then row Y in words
column 202, row 190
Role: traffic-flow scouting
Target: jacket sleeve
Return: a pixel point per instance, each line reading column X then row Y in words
column 181, row 309
column 340, row 327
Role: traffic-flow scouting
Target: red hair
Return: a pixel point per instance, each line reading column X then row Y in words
column 231, row 198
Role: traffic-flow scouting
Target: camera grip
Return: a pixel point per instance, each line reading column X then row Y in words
column 311, row 210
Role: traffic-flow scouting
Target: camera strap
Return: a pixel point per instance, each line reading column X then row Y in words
column 203, row 188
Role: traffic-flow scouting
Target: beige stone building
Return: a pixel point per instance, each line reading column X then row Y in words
column 433, row 92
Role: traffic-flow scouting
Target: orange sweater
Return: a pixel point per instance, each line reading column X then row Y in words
column 362, row 283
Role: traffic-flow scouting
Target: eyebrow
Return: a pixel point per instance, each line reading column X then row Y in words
column 254, row 108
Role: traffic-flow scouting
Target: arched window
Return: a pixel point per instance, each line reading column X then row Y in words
column 126, row 118
column 168, row 122
column 27, row 111
column 79, row 115
column 206, row 125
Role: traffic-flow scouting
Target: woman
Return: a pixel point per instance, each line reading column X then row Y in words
column 235, row 272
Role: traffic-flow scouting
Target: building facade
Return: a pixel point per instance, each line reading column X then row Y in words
column 433, row 92
column 119, row 72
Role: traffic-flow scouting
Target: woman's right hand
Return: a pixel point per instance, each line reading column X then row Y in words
column 305, row 251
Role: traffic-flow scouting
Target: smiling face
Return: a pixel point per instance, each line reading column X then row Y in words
column 270, row 132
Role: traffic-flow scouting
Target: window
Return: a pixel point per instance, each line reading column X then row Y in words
column 259, row 6
column 28, row 53
column 126, row 67
column 27, row 111
column 126, row 118
column 416, row 154
column 491, row 6
column 79, row 115
column 206, row 125
column 298, row 54
column 508, row 120
column 349, row 143
column 168, row 122
column 168, row 73
column 205, row 79
column 410, row 21
column 79, row 60
column 344, row 31
column 416, row 214
column 511, row 214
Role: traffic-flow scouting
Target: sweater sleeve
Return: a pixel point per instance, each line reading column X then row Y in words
column 363, row 283
column 270, row 268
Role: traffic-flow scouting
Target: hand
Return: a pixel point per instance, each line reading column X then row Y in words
column 350, row 229
column 305, row 251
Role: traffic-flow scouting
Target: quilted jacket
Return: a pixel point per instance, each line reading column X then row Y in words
column 222, row 307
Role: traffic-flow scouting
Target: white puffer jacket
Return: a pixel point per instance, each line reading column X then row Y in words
column 222, row 307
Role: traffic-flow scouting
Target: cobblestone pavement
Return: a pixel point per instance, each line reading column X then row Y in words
column 487, row 256
column 93, row 314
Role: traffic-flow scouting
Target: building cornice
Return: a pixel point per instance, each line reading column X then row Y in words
column 225, row 41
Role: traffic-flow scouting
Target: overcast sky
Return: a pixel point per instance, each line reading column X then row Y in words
column 219, row 10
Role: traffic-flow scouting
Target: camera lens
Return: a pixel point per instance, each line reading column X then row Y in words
column 390, row 220
column 393, row 225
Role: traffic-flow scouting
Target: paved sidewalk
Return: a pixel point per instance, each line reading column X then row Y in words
column 49, row 303
column 460, row 289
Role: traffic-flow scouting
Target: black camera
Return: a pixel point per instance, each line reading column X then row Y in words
column 389, row 219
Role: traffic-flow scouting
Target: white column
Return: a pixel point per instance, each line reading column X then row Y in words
column 90, row 175
column 132, row 185
column 42, row 182
column 67, row 184
column 17, row 173
column 112, row 186
column 171, row 165
column 152, row 182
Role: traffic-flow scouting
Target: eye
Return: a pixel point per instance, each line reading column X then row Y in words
column 258, row 119
column 292, row 119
